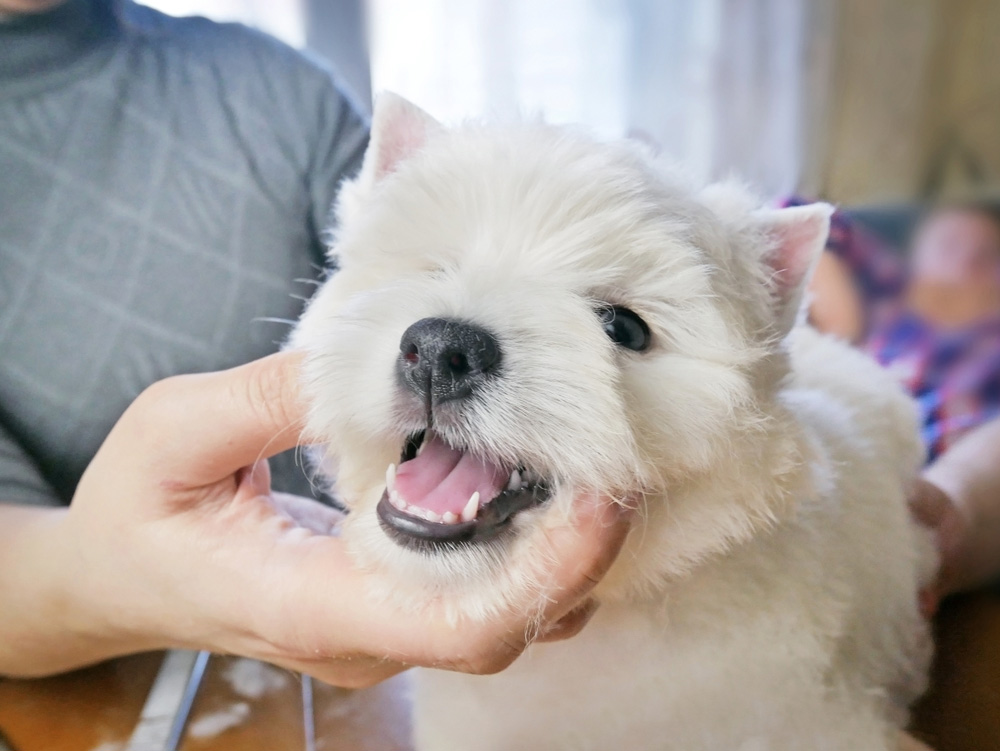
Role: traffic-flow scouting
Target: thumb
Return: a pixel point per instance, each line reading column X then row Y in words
column 210, row 425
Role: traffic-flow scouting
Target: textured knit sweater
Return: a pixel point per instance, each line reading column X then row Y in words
column 165, row 186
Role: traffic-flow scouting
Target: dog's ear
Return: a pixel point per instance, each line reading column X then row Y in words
column 796, row 237
column 399, row 129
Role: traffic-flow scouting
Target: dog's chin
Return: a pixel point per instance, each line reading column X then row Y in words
column 442, row 498
column 477, row 578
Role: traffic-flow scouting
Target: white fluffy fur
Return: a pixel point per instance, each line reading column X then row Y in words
column 766, row 599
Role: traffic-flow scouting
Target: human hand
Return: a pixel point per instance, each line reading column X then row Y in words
column 969, row 551
column 174, row 539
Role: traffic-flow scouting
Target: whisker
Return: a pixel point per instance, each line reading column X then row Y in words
column 310, row 472
column 268, row 319
column 263, row 451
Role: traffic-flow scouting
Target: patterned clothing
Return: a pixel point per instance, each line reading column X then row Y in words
column 954, row 375
column 165, row 184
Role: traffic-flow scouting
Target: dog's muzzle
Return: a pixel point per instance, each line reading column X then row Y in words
column 443, row 360
column 442, row 493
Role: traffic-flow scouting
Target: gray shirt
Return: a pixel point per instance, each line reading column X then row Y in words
column 164, row 188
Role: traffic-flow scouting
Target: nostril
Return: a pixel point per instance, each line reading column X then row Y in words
column 458, row 363
column 411, row 354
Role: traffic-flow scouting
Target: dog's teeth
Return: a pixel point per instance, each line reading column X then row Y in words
column 420, row 448
column 423, row 513
column 449, row 517
column 390, row 478
column 471, row 508
column 397, row 500
column 515, row 481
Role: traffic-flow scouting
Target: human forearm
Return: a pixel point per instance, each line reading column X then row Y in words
column 969, row 472
column 175, row 539
column 836, row 306
column 45, row 623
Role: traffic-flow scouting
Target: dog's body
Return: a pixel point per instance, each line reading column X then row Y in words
column 803, row 639
column 524, row 301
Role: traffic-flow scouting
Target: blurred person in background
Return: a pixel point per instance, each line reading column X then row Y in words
column 932, row 316
column 165, row 184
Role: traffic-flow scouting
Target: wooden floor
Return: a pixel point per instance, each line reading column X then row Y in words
column 247, row 706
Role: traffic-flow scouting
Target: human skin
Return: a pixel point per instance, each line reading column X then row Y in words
column 955, row 268
column 959, row 499
column 954, row 280
column 174, row 539
column 954, row 277
column 836, row 306
column 28, row 6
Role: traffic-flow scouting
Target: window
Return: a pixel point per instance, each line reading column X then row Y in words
column 285, row 19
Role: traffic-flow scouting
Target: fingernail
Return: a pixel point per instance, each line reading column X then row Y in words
column 257, row 476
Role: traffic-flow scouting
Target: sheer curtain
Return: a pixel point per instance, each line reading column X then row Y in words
column 723, row 85
column 331, row 29
column 565, row 59
column 284, row 19
column 852, row 100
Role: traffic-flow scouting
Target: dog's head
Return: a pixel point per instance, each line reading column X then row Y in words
column 522, row 314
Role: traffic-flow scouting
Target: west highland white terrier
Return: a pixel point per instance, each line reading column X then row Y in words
column 523, row 315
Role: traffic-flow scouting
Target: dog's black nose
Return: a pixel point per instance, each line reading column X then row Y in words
column 441, row 359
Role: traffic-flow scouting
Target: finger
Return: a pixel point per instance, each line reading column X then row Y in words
column 579, row 553
column 309, row 513
column 220, row 422
column 316, row 579
column 928, row 504
column 353, row 674
column 929, row 601
column 256, row 477
column 570, row 624
column 583, row 551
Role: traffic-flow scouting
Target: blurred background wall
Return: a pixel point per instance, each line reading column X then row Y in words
column 851, row 100
column 337, row 31
column 916, row 99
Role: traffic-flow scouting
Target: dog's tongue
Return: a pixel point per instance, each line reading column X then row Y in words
column 442, row 479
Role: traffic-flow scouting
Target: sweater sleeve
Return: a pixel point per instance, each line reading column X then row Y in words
column 20, row 479
column 339, row 147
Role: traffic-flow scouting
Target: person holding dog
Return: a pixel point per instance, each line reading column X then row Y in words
column 162, row 182
column 175, row 538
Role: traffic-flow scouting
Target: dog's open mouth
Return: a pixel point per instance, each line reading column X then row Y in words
column 442, row 494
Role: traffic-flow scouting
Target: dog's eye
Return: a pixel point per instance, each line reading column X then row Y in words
column 624, row 327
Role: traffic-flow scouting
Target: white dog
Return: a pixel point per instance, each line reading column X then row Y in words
column 523, row 314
